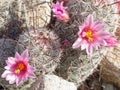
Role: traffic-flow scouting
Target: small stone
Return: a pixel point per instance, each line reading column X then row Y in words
column 52, row 82
column 107, row 86
column 110, row 67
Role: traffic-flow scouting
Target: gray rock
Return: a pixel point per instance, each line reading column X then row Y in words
column 52, row 82
column 107, row 86
column 110, row 66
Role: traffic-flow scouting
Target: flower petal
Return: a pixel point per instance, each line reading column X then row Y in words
column 32, row 75
column 84, row 44
column 25, row 78
column 77, row 43
column 10, row 61
column 103, row 42
column 89, row 50
column 25, row 55
column 95, row 24
column 96, row 46
column 5, row 73
column 31, row 68
column 7, row 67
column 89, row 20
column 19, row 80
column 80, row 29
column 17, row 56
column 12, row 79
column 99, row 28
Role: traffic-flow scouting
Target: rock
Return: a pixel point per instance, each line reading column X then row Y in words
column 53, row 82
column 110, row 66
column 107, row 86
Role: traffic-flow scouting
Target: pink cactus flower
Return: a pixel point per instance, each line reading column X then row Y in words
column 18, row 69
column 91, row 35
column 59, row 12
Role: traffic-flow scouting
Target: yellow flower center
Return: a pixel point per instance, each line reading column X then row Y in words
column 20, row 67
column 17, row 71
column 89, row 35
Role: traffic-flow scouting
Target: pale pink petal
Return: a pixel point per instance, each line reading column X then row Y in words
column 10, row 61
column 77, row 43
column 89, row 50
column 7, row 67
column 80, row 29
column 103, row 42
column 5, row 73
column 25, row 55
column 86, row 23
column 99, row 28
column 54, row 10
column 32, row 75
column 61, row 3
column 102, row 35
column 96, row 47
column 84, row 45
column 31, row 68
column 17, row 56
column 12, row 79
column 83, row 34
column 90, row 20
column 19, row 81
column 25, row 77
column 10, row 76
column 96, row 24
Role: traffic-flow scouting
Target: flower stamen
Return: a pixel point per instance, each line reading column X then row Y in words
column 17, row 71
column 20, row 67
column 89, row 35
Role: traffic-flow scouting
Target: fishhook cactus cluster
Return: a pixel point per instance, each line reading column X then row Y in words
column 44, row 47
column 83, row 32
column 75, row 27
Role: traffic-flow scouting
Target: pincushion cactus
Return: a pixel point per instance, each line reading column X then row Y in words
column 76, row 66
column 44, row 48
column 44, row 53
column 44, row 44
